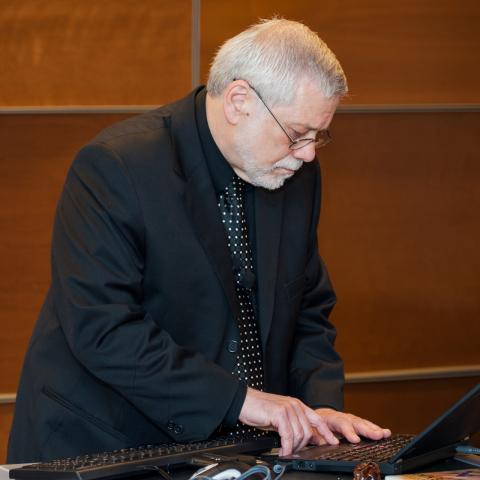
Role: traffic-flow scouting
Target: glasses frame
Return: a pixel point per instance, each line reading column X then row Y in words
column 300, row 142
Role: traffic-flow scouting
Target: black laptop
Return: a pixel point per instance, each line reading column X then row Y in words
column 399, row 453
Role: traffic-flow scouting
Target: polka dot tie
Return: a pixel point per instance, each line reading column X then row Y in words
column 249, row 366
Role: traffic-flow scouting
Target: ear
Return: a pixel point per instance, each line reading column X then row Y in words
column 236, row 103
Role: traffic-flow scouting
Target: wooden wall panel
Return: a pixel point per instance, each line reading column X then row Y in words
column 399, row 228
column 413, row 51
column 6, row 412
column 400, row 234
column 94, row 52
column 411, row 274
column 36, row 152
column 409, row 406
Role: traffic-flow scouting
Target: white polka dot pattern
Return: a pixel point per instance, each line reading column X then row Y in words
column 249, row 366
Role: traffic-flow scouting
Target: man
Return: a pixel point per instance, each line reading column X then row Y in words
column 187, row 295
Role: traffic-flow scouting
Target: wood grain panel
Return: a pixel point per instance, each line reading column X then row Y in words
column 400, row 234
column 6, row 414
column 413, row 51
column 406, row 407
column 89, row 52
column 36, row 152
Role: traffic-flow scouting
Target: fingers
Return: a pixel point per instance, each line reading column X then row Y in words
column 348, row 427
column 285, row 431
column 370, row 430
column 317, row 439
column 366, row 429
column 301, row 425
column 323, row 429
column 351, row 426
column 293, row 427
column 288, row 426
column 286, row 415
column 298, row 424
column 304, row 430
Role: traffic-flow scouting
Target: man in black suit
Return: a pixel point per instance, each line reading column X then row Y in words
column 154, row 330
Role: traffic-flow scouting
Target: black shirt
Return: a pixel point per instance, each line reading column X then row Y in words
column 220, row 170
column 222, row 175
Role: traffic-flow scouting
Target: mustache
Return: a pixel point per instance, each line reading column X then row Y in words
column 290, row 163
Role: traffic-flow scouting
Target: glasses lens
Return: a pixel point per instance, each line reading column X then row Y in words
column 302, row 142
column 323, row 138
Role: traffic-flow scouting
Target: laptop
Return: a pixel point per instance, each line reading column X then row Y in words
column 399, row 453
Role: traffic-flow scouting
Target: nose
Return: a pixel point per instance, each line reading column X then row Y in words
column 306, row 153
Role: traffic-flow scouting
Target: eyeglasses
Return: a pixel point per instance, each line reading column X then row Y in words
column 323, row 136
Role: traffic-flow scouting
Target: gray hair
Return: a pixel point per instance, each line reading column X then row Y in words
column 273, row 55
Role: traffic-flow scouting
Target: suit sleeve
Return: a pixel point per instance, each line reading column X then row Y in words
column 316, row 370
column 97, row 269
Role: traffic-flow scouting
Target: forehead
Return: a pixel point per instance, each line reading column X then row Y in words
column 310, row 108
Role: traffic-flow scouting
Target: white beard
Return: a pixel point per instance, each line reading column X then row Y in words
column 267, row 177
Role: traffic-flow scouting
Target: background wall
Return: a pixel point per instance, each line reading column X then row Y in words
column 399, row 228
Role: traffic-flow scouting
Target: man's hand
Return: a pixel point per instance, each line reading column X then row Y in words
column 296, row 423
column 299, row 425
column 349, row 426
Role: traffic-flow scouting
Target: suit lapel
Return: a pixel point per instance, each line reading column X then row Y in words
column 268, row 220
column 201, row 201
column 200, row 198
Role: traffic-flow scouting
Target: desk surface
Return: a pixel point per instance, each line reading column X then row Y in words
column 449, row 464
column 185, row 472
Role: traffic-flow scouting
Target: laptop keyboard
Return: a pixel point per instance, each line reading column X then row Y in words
column 378, row 451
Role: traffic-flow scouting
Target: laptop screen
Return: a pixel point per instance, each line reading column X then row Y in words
column 457, row 423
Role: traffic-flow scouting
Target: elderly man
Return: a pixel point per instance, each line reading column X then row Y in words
column 188, row 297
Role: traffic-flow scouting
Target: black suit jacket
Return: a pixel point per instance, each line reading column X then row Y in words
column 135, row 341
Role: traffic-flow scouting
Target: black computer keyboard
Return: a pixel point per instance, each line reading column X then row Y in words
column 130, row 462
column 376, row 451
